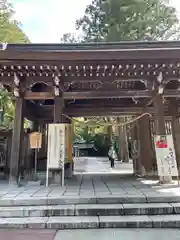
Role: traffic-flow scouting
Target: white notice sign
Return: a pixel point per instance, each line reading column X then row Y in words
column 165, row 155
column 56, row 146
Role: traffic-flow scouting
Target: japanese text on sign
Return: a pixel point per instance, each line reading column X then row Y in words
column 165, row 156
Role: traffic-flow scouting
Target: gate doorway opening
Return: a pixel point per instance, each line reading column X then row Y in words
column 94, row 138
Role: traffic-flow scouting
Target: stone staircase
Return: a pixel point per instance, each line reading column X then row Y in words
column 71, row 212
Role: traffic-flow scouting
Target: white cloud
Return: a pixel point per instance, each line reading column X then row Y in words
column 176, row 4
column 47, row 20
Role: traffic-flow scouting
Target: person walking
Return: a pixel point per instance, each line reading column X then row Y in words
column 111, row 156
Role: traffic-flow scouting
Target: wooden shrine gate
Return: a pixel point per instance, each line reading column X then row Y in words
column 53, row 83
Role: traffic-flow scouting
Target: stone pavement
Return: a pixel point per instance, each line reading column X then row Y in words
column 92, row 234
column 90, row 186
column 119, row 234
column 100, row 165
column 102, row 200
column 91, row 201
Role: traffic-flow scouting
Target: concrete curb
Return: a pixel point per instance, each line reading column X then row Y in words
column 108, row 199
column 77, row 222
column 90, row 210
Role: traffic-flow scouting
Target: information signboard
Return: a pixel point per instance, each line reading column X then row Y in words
column 35, row 140
column 56, row 148
column 165, row 155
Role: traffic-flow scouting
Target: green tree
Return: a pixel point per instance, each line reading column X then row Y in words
column 6, row 108
column 120, row 20
column 92, row 130
column 10, row 30
column 124, row 20
column 69, row 38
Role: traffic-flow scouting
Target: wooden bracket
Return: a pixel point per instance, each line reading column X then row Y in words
column 56, row 86
column 16, row 86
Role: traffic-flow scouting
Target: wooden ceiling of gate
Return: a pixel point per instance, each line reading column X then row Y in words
column 115, row 76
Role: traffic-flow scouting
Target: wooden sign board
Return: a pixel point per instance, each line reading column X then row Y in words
column 56, row 146
column 35, row 140
column 165, row 156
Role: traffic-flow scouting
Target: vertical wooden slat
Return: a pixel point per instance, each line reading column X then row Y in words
column 16, row 140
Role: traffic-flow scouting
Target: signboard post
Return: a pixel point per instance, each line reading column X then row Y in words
column 35, row 143
column 165, row 155
column 56, row 149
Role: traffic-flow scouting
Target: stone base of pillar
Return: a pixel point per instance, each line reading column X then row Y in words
column 165, row 180
column 141, row 171
column 57, row 174
column 28, row 176
column 13, row 182
column 57, row 178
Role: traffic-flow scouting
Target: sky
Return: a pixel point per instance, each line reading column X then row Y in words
column 45, row 21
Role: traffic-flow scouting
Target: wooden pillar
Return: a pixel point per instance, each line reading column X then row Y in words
column 145, row 146
column 69, row 165
column 29, row 158
column 35, row 126
column 58, row 118
column 58, row 109
column 160, row 126
column 134, row 149
column 17, row 138
column 42, row 151
column 122, row 141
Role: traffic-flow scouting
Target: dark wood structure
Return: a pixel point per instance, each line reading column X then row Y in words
column 49, row 82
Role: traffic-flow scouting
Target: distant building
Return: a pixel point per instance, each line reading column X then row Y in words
column 83, row 149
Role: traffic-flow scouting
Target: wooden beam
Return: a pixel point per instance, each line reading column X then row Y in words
column 94, row 46
column 48, row 114
column 38, row 95
column 81, row 79
column 100, row 94
column 108, row 94
column 93, row 55
column 88, row 95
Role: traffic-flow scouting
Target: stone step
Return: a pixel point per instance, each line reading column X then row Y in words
column 84, row 222
column 106, row 199
column 90, row 210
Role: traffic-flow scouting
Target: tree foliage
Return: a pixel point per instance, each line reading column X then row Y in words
column 120, row 20
column 10, row 30
column 6, row 108
column 92, row 130
column 69, row 38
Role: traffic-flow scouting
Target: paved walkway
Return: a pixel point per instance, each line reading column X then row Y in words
column 90, row 186
column 94, row 165
column 94, row 234
column 119, row 234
